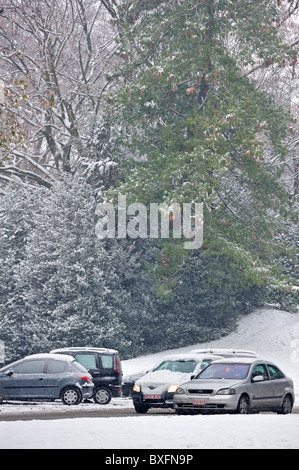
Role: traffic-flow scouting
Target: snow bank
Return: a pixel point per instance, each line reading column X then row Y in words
column 261, row 431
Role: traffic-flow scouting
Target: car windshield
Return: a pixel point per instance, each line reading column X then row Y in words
column 225, row 371
column 177, row 366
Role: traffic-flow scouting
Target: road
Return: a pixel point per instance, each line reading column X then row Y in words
column 77, row 412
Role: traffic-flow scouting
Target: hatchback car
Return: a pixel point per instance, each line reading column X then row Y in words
column 156, row 388
column 46, row 377
column 237, row 385
column 104, row 365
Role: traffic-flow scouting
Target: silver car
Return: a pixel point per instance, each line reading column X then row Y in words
column 236, row 385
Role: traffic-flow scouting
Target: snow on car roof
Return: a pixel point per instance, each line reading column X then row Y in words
column 192, row 356
column 226, row 352
column 238, row 360
column 85, row 348
column 65, row 357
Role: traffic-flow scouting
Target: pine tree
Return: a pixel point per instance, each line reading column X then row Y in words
column 199, row 130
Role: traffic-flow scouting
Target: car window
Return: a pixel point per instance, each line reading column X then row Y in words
column 78, row 367
column 260, row 369
column 56, row 367
column 224, row 371
column 87, row 360
column 107, row 361
column 30, row 367
column 177, row 366
column 205, row 363
column 274, row 372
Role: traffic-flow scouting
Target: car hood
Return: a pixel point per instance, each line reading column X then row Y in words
column 162, row 379
column 215, row 384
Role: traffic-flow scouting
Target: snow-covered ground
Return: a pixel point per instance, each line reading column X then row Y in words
column 271, row 333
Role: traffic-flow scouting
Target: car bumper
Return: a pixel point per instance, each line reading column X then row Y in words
column 116, row 390
column 162, row 401
column 87, row 391
column 201, row 403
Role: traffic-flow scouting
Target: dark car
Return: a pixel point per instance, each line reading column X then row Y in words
column 104, row 365
column 46, row 377
column 128, row 382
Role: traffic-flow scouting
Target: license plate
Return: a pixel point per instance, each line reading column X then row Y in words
column 199, row 402
column 151, row 397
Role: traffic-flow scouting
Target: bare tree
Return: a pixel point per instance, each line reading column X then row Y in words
column 54, row 57
column 282, row 81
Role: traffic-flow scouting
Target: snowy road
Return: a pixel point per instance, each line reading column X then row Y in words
column 119, row 407
column 262, row 431
column 118, row 426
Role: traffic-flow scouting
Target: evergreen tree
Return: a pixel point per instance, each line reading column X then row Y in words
column 198, row 128
column 19, row 208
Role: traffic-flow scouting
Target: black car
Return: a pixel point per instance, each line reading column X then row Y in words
column 104, row 366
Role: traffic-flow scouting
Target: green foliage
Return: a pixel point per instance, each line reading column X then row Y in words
column 200, row 130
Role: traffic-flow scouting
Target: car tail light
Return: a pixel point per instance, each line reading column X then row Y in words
column 116, row 365
column 85, row 378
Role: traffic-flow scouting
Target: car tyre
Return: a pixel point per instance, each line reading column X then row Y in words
column 102, row 396
column 244, row 406
column 139, row 408
column 71, row 396
column 287, row 406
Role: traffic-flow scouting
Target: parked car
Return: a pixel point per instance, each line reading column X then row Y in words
column 236, row 385
column 46, row 377
column 104, row 365
column 157, row 387
column 128, row 382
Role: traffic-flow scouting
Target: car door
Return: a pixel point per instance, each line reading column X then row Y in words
column 56, row 371
column 27, row 380
column 90, row 362
column 278, row 384
column 262, row 389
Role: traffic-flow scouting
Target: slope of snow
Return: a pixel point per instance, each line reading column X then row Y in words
column 272, row 334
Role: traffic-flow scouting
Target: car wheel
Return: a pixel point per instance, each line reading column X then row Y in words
column 243, row 407
column 71, row 396
column 139, row 408
column 287, row 406
column 102, row 396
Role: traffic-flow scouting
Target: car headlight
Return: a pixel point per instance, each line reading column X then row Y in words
column 172, row 388
column 136, row 388
column 180, row 391
column 226, row 391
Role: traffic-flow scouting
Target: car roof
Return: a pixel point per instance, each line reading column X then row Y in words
column 240, row 360
column 61, row 357
column 226, row 352
column 85, row 349
column 189, row 357
column 56, row 357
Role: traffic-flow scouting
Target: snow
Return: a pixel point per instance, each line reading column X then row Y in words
column 155, row 432
column 273, row 334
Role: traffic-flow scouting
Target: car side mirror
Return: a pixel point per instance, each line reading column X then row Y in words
column 9, row 372
column 192, row 377
column 258, row 378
